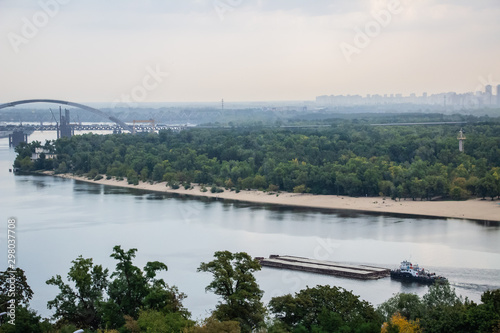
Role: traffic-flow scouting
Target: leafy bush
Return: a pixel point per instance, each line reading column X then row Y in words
column 300, row 189
column 92, row 173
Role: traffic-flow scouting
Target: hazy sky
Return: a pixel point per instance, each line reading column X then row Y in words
column 244, row 50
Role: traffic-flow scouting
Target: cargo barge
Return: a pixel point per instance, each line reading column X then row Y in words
column 362, row 272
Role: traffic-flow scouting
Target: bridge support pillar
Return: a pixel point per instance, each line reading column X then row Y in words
column 17, row 137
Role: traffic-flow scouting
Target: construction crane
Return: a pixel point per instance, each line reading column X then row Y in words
column 57, row 124
column 78, row 117
column 53, row 117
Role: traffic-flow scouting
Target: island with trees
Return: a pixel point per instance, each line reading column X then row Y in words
column 343, row 157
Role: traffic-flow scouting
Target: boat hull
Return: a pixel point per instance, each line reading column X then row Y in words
column 407, row 277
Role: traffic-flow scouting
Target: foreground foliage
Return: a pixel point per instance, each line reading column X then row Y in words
column 134, row 300
column 234, row 282
column 324, row 309
column 398, row 323
column 441, row 310
column 133, row 297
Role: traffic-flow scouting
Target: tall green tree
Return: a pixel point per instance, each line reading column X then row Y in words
column 444, row 311
column 26, row 319
column 128, row 288
column 82, row 305
column 485, row 317
column 97, row 302
column 133, row 289
column 23, row 293
column 234, row 281
column 325, row 309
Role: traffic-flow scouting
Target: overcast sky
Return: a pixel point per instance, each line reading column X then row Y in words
column 244, row 50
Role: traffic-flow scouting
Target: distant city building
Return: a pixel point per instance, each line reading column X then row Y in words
column 450, row 100
column 488, row 94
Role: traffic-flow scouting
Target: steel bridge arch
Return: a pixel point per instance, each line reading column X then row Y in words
column 76, row 105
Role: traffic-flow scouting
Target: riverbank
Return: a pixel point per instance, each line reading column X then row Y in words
column 474, row 209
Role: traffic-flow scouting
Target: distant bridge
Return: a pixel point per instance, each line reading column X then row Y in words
column 426, row 123
column 76, row 105
column 90, row 127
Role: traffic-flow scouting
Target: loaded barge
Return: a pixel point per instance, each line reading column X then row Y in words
column 363, row 272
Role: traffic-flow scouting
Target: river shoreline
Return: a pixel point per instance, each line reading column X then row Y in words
column 473, row 209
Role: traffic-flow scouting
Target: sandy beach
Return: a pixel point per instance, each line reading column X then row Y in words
column 474, row 209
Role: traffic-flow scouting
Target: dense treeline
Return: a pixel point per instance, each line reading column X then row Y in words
column 417, row 162
column 204, row 115
column 133, row 300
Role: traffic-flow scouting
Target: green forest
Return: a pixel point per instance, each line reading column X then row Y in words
column 341, row 157
column 131, row 299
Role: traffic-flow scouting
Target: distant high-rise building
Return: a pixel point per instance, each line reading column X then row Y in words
column 487, row 94
column 498, row 94
column 451, row 100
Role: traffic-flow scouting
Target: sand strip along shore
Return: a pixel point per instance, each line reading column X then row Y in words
column 474, row 209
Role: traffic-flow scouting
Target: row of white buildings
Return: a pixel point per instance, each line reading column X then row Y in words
column 465, row 100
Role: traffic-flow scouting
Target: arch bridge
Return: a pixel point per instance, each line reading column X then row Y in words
column 76, row 105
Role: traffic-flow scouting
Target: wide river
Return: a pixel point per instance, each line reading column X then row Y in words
column 60, row 219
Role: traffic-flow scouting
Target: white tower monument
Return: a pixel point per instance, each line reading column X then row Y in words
column 461, row 138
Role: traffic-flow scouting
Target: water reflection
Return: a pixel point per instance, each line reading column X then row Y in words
column 343, row 224
column 490, row 224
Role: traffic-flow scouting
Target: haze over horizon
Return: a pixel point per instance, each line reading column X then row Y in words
column 244, row 50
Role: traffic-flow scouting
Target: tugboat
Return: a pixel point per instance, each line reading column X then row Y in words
column 412, row 273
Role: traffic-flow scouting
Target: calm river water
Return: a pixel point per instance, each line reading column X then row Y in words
column 60, row 219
